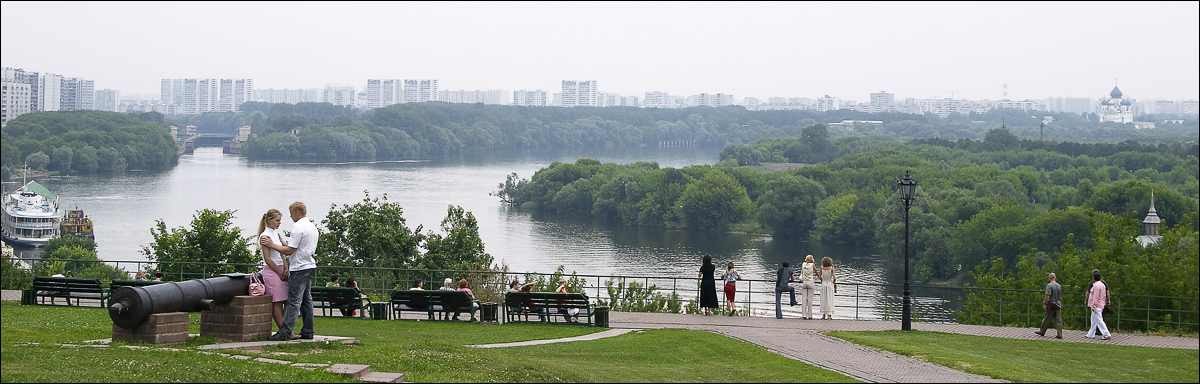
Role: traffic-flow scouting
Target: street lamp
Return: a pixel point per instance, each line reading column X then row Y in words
column 907, row 187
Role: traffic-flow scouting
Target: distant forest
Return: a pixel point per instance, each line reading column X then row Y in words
column 324, row 132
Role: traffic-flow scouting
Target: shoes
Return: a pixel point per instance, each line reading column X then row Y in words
column 730, row 313
column 1105, row 337
column 305, row 337
column 276, row 337
column 793, row 304
column 1039, row 333
column 1058, row 337
column 1089, row 337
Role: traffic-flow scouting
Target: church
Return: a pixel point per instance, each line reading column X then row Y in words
column 1115, row 109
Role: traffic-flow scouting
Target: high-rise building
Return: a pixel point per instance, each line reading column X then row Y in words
column 108, row 100
column 417, row 91
column 383, row 92
column 77, row 94
column 657, row 99
column 195, row 96
column 882, row 101
column 526, row 98
column 339, row 94
column 15, row 100
column 580, row 93
column 1079, row 105
column 710, row 100
column 827, row 103
column 232, row 93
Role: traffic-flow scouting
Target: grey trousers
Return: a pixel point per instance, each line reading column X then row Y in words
column 299, row 302
column 779, row 291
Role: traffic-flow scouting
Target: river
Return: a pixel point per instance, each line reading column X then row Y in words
column 124, row 208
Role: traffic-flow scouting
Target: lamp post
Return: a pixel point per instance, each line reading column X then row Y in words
column 907, row 187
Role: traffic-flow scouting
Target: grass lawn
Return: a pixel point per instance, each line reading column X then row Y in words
column 423, row 351
column 1025, row 361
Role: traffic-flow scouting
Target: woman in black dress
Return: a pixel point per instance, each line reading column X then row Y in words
column 708, row 286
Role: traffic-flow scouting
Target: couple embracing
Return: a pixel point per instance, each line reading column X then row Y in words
column 289, row 280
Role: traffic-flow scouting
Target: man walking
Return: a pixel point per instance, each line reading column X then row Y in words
column 1097, row 299
column 301, row 268
column 783, row 276
column 1053, row 307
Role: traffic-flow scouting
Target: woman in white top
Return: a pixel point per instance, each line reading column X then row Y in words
column 731, row 277
column 807, row 272
column 828, row 287
column 274, row 264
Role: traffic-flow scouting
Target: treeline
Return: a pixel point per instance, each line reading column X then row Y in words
column 969, row 206
column 324, row 132
column 85, row 142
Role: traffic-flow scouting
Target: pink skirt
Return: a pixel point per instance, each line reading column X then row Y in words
column 278, row 289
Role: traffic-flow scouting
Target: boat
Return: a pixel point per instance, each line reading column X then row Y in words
column 30, row 216
column 75, row 223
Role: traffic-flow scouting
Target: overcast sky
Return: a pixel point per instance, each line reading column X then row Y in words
column 747, row 49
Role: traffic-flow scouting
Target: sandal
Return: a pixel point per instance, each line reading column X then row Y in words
column 295, row 336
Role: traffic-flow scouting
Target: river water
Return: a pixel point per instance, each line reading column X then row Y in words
column 124, row 208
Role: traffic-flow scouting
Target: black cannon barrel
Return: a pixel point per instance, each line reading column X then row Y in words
column 130, row 306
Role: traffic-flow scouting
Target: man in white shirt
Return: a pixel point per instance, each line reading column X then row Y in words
column 301, row 268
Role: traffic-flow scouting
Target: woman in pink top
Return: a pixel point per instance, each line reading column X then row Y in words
column 462, row 286
column 1096, row 300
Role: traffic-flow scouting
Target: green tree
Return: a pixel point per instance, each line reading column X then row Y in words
column 460, row 248
column 714, row 202
column 76, row 256
column 371, row 233
column 37, row 160
column 789, row 206
column 212, row 239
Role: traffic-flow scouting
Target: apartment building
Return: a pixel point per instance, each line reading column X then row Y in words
column 108, row 100
column 579, row 93
column 15, row 100
column 526, row 98
column 419, row 91
column 339, row 94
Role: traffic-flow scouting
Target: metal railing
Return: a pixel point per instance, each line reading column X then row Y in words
column 938, row 304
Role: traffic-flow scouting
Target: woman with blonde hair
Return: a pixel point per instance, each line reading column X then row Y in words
column 275, row 270
column 731, row 277
column 828, row 279
column 807, row 273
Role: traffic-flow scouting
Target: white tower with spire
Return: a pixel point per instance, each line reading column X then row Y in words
column 1152, row 223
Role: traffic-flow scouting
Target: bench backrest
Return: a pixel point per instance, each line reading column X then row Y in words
column 67, row 284
column 546, row 299
column 130, row 283
column 446, row 300
column 336, row 296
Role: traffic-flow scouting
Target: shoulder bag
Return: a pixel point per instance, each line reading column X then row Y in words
column 256, row 286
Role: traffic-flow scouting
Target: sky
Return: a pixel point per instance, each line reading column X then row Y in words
column 964, row 50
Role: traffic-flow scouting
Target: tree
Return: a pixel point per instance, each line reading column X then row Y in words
column 76, row 256
column 714, row 202
column 371, row 233
column 789, row 206
column 460, row 248
column 37, row 160
column 212, row 239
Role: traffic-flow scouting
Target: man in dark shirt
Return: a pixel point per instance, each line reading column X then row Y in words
column 1053, row 307
column 783, row 276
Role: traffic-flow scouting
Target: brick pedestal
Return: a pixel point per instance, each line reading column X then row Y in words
column 244, row 318
column 159, row 328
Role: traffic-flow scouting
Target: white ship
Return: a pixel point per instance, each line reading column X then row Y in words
column 30, row 216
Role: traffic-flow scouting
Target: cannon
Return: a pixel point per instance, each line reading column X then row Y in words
column 130, row 306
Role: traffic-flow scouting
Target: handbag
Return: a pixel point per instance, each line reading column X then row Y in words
column 1106, row 310
column 256, row 286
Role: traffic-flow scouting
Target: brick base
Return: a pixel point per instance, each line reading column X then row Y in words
column 244, row 318
column 159, row 328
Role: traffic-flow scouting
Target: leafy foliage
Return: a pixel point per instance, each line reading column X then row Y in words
column 212, row 238
column 86, row 142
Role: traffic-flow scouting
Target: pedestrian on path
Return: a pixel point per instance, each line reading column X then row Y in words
column 708, row 286
column 807, row 285
column 1053, row 307
column 731, row 277
column 828, row 278
column 783, row 276
column 1097, row 299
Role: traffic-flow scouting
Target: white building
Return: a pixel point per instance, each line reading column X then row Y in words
column 195, row 96
column 232, row 93
column 710, row 100
column 526, row 98
column 490, row 97
column 383, row 92
column 108, row 100
column 15, row 100
column 1024, row 105
column 580, row 93
column 826, row 104
column 1078, row 105
column 1116, row 109
column 289, row 96
column 339, row 94
column 418, row 91
column 882, row 101
column 943, row 107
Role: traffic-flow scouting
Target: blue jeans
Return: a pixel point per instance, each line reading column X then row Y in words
column 778, row 292
column 299, row 302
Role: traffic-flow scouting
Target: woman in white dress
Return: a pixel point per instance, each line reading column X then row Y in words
column 828, row 287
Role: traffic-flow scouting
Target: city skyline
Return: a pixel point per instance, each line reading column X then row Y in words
column 760, row 50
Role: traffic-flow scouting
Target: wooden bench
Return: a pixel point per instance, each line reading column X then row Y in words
column 112, row 287
column 547, row 306
column 68, row 288
column 339, row 298
column 433, row 302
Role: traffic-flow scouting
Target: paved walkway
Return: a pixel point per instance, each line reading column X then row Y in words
column 803, row 340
